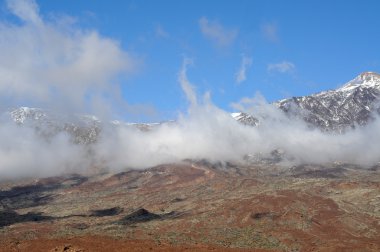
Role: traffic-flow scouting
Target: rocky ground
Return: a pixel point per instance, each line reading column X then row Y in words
column 196, row 206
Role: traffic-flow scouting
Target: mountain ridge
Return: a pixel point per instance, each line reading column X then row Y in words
column 354, row 104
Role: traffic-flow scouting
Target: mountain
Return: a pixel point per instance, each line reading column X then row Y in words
column 83, row 129
column 354, row 104
column 245, row 118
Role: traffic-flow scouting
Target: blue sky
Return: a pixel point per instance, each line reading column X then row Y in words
column 278, row 48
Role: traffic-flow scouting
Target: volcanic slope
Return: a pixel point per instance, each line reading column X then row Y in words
column 196, row 206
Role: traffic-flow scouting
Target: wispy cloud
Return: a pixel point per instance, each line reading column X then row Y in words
column 281, row 67
column 241, row 75
column 270, row 32
column 217, row 33
column 186, row 86
column 27, row 11
column 161, row 32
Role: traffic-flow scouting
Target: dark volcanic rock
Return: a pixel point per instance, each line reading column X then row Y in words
column 141, row 215
column 107, row 212
column 9, row 217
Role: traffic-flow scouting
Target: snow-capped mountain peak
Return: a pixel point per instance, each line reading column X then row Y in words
column 245, row 118
column 355, row 103
column 366, row 79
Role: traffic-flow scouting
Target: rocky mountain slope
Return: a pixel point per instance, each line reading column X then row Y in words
column 231, row 207
column 83, row 129
column 354, row 104
column 245, row 118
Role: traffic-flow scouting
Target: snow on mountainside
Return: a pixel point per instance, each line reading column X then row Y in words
column 245, row 118
column 83, row 129
column 21, row 114
column 367, row 80
column 354, row 104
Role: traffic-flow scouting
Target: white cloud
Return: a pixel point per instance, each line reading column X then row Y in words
column 186, row 86
column 27, row 11
column 208, row 132
column 269, row 31
column 205, row 132
column 241, row 76
column 215, row 32
column 281, row 67
column 53, row 62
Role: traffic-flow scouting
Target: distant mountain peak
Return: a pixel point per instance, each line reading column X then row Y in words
column 245, row 118
column 355, row 103
column 366, row 79
column 369, row 76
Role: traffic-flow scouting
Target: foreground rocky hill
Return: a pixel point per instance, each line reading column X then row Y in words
column 196, row 206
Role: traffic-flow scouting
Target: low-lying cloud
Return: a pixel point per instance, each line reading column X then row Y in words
column 23, row 152
column 207, row 132
column 204, row 132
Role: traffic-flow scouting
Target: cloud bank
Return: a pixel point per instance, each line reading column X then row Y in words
column 207, row 132
column 204, row 132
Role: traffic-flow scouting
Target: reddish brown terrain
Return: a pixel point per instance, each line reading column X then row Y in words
column 196, row 206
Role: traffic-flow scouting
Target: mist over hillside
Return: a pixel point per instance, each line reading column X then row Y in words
column 52, row 143
column 72, row 75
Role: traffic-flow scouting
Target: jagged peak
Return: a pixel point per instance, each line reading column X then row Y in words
column 365, row 79
column 368, row 76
